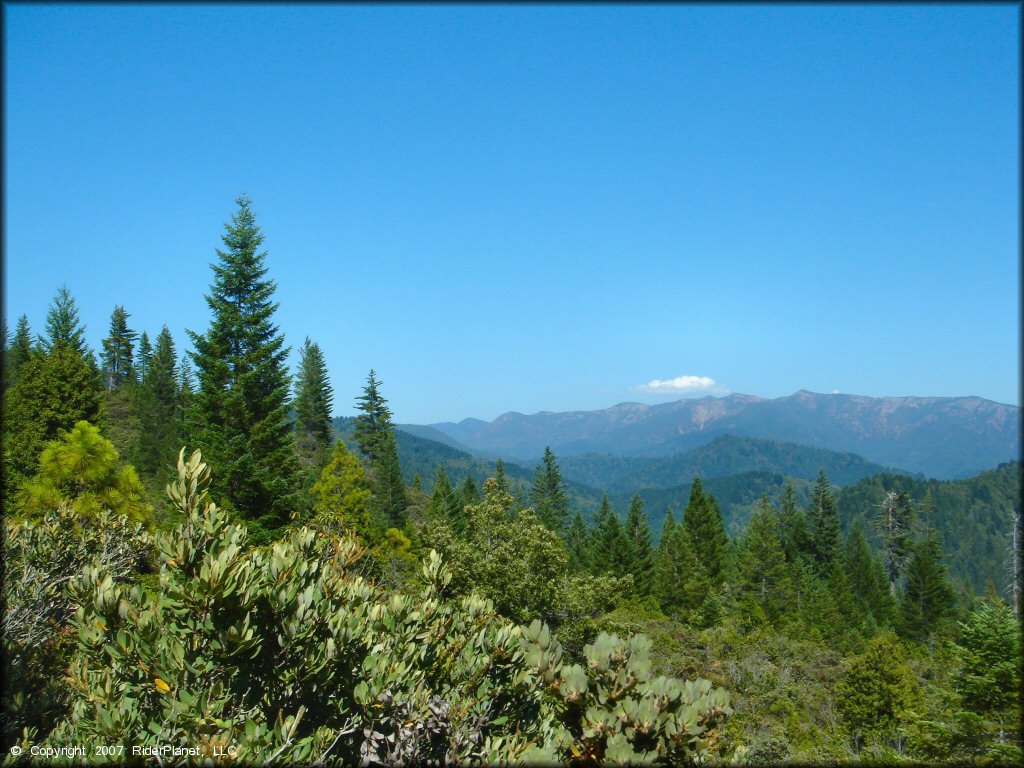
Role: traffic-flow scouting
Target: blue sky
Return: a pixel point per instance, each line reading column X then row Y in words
column 538, row 207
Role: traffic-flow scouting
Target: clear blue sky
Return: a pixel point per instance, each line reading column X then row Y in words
column 538, row 207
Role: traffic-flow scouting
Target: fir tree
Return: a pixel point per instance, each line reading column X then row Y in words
column 989, row 648
column 373, row 424
column 63, row 329
column 342, row 498
column 793, row 524
column 240, row 414
column 547, row 494
column 894, row 524
column 52, row 393
column 442, row 496
column 469, row 492
column 500, row 479
column 927, row 598
column 610, row 550
column 314, row 398
column 159, row 415
column 824, row 525
column 144, row 359
column 703, row 521
column 186, row 388
column 640, row 552
column 577, row 544
column 391, row 495
column 18, row 352
column 118, row 351
column 681, row 583
column 862, row 574
column 764, row 576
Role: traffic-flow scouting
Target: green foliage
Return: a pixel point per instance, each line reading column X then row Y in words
column 990, row 650
column 287, row 654
column 373, row 424
column 18, row 352
column 765, row 586
column 823, row 518
column 82, row 471
column 117, row 359
column 159, row 409
column 928, row 598
column 342, row 498
column 63, row 330
column 877, row 691
column 610, row 548
column 681, row 582
column 446, row 504
column 375, row 435
column 144, row 359
column 640, row 553
column 314, row 398
column 240, row 412
column 703, row 521
column 41, row 556
column 547, row 494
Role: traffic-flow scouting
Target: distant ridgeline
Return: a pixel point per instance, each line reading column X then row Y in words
column 973, row 516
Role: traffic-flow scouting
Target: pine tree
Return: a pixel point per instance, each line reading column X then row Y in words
column 342, row 498
column 862, row 573
column 63, row 329
column 703, row 521
column 894, row 524
column 681, row 583
column 793, row 524
column 442, row 496
column 53, row 392
column 927, row 598
column 186, row 388
column 824, row 525
column 18, row 352
column 764, row 576
column 610, row 550
column 469, row 492
column 144, row 359
column 314, row 398
column 577, row 544
column 159, row 416
column 500, row 479
column 990, row 649
column 240, row 414
column 640, row 552
column 391, row 495
column 373, row 424
column 118, row 351
column 547, row 494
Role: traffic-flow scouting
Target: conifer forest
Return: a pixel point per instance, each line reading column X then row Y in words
column 202, row 564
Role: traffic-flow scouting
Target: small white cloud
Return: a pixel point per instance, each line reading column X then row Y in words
column 835, row 391
column 681, row 385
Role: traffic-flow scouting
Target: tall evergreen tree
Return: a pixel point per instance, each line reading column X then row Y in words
column 862, row 574
column 641, row 553
column 118, row 351
column 547, row 495
column 501, row 481
column 186, row 387
column 681, row 583
column 144, row 358
column 577, row 543
column 373, row 424
column 240, row 412
column 610, row 549
column 764, row 576
column 793, row 524
column 444, row 502
column 469, row 492
column 894, row 524
column 391, row 493
column 824, row 525
column 927, row 598
column 159, row 415
column 703, row 521
column 18, row 352
column 314, row 398
column 63, row 328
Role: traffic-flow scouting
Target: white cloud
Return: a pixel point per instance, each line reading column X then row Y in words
column 681, row 385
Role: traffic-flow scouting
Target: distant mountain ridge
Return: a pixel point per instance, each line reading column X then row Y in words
column 941, row 437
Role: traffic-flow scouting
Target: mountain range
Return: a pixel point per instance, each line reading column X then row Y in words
column 940, row 437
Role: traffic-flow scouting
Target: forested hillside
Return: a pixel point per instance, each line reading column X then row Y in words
column 195, row 561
